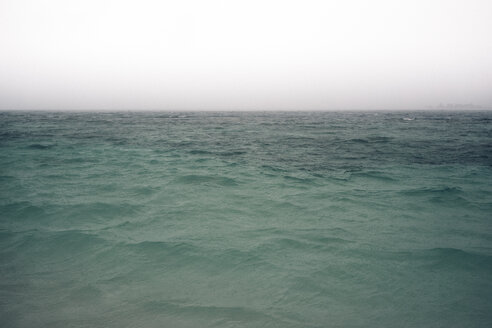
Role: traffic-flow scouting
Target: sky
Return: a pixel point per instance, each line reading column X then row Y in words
column 244, row 55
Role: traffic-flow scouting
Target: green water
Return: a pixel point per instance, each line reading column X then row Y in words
column 246, row 219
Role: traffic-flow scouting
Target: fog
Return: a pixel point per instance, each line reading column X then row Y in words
column 244, row 55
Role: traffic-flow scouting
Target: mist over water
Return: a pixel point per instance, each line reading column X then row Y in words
column 245, row 55
column 313, row 219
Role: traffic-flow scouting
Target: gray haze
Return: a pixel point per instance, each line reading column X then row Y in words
column 245, row 55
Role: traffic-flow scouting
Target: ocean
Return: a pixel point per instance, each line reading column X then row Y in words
column 246, row 219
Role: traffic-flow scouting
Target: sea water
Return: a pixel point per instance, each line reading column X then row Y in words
column 309, row 219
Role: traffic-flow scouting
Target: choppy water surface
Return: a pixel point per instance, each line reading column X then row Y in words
column 246, row 219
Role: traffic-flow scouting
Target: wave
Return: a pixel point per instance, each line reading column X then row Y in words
column 40, row 146
column 453, row 196
column 63, row 216
column 300, row 180
column 231, row 153
column 206, row 179
column 57, row 249
column 220, row 315
column 307, row 245
column 457, row 259
column 200, row 152
column 442, row 258
column 371, row 140
column 373, row 174
column 445, row 193
column 434, row 190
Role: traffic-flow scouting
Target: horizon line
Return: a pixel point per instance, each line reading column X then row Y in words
column 252, row 110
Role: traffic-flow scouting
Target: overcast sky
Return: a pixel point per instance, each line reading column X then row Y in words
column 245, row 55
